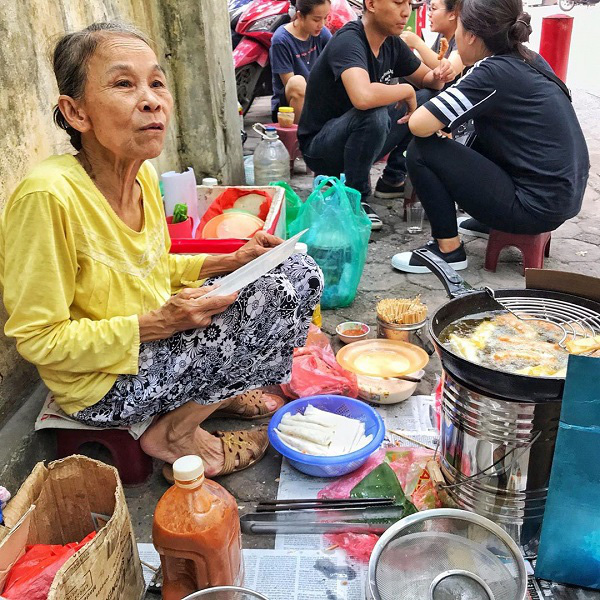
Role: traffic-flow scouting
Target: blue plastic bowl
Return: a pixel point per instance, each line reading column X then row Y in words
column 330, row 466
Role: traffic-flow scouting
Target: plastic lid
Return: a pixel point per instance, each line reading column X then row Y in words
column 286, row 109
column 210, row 181
column 301, row 248
column 188, row 471
column 270, row 128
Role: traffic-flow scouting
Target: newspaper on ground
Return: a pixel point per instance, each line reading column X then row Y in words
column 286, row 574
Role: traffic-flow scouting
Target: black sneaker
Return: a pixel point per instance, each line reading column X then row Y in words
column 472, row 227
column 376, row 222
column 405, row 261
column 387, row 191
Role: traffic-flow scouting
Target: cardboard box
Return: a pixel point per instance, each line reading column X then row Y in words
column 63, row 503
column 584, row 286
column 274, row 223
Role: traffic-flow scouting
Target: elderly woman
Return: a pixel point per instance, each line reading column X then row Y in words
column 119, row 329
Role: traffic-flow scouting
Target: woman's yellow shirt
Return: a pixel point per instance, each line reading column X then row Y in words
column 75, row 278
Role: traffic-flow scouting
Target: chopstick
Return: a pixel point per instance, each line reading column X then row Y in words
column 325, row 503
column 408, row 378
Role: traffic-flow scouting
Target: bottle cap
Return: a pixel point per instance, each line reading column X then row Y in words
column 188, row 471
column 286, row 109
column 301, row 248
column 210, row 181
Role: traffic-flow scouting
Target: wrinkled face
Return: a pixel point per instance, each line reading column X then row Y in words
column 390, row 16
column 126, row 101
column 314, row 22
column 440, row 18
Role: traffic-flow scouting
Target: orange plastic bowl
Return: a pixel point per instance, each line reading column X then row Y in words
column 232, row 225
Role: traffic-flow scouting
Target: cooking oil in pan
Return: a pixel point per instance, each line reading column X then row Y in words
column 501, row 341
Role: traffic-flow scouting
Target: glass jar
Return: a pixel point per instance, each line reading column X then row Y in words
column 285, row 116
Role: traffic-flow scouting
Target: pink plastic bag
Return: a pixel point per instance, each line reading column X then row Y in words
column 32, row 575
column 315, row 371
column 410, row 466
column 341, row 13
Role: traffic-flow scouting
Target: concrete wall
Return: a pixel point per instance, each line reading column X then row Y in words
column 191, row 39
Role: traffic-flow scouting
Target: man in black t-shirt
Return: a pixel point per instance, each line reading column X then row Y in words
column 352, row 116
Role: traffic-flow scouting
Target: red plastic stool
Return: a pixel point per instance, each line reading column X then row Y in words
column 533, row 248
column 289, row 137
column 133, row 464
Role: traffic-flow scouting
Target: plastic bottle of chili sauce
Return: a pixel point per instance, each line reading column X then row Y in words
column 197, row 533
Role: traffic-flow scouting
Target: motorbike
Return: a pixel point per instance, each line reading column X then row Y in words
column 253, row 33
column 256, row 27
column 567, row 5
column 236, row 9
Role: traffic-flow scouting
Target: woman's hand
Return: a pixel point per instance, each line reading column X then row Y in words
column 188, row 309
column 412, row 40
column 261, row 242
column 445, row 72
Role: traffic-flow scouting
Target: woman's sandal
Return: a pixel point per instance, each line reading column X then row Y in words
column 250, row 406
column 247, row 447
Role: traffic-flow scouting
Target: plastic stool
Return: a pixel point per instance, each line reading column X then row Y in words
column 533, row 248
column 133, row 465
column 289, row 137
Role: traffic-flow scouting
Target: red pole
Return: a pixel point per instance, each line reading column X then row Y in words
column 556, row 42
column 421, row 19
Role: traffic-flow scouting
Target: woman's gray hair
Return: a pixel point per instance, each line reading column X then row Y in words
column 70, row 60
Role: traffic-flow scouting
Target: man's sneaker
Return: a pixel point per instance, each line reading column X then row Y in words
column 376, row 222
column 406, row 262
column 471, row 226
column 387, row 191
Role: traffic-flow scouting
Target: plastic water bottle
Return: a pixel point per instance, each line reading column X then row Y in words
column 271, row 158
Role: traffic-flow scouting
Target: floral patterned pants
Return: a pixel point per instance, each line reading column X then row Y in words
column 249, row 345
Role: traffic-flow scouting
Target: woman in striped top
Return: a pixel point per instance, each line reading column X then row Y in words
column 527, row 170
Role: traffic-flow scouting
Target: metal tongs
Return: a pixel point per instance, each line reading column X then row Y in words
column 352, row 515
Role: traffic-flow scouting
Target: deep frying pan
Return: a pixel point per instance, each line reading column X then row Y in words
column 467, row 301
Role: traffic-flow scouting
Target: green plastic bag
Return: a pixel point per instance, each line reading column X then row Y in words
column 293, row 202
column 338, row 238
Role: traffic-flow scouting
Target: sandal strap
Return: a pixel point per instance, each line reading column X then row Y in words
column 252, row 399
column 244, row 446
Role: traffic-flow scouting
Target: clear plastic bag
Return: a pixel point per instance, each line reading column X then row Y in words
column 338, row 238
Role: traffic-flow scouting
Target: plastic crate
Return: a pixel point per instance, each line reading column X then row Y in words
column 274, row 223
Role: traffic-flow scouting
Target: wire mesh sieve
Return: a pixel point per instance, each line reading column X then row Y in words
column 446, row 554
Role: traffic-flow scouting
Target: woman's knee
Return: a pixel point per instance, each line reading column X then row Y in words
column 421, row 150
column 295, row 87
column 413, row 156
column 304, row 274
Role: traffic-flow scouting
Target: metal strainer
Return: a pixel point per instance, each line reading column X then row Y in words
column 226, row 592
column 446, row 554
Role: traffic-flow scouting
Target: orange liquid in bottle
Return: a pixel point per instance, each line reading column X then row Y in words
column 197, row 533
